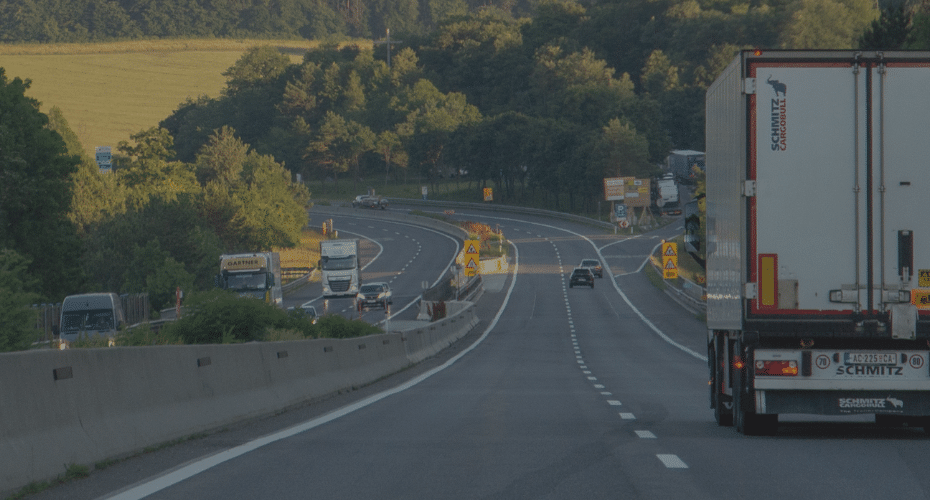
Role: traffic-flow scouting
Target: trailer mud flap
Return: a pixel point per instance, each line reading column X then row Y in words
column 908, row 403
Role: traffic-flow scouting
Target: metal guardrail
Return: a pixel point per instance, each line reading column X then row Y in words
column 503, row 208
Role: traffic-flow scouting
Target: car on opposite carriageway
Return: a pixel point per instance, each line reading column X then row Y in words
column 374, row 295
column 370, row 201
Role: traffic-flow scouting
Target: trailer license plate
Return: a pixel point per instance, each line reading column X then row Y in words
column 870, row 358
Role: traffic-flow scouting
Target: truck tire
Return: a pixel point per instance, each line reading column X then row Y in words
column 745, row 418
column 715, row 354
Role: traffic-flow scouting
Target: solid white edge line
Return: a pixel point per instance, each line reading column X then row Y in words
column 642, row 317
column 187, row 471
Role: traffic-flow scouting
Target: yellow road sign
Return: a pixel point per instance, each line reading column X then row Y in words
column 669, row 249
column 472, row 249
column 669, row 260
column 670, row 270
column 488, row 194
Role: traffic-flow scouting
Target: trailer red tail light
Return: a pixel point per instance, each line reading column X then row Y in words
column 777, row 368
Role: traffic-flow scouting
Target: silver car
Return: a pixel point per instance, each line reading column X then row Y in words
column 372, row 295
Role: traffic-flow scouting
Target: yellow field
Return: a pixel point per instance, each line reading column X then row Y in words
column 110, row 91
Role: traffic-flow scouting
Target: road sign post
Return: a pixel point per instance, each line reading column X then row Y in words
column 471, row 257
column 669, row 260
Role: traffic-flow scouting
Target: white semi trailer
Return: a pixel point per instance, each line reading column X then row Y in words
column 818, row 255
column 339, row 268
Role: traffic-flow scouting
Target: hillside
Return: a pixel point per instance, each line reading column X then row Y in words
column 117, row 89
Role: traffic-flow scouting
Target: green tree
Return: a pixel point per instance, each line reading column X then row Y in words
column 16, row 315
column 659, row 75
column 433, row 117
column 258, row 67
column 154, row 271
column 36, row 192
column 272, row 208
column 619, row 151
column 338, row 145
column 96, row 195
column 827, row 24
column 390, row 147
column 249, row 198
column 145, row 172
column 132, row 252
column 890, row 31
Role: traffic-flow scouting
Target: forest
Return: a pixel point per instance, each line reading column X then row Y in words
column 541, row 99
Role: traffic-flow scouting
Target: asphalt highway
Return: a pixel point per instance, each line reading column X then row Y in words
column 558, row 393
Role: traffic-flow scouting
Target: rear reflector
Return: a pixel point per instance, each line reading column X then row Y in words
column 777, row 368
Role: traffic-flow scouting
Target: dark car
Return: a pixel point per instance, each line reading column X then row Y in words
column 581, row 276
column 369, row 201
column 594, row 265
column 374, row 295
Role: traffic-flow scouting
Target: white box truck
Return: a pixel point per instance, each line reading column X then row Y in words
column 339, row 268
column 818, row 257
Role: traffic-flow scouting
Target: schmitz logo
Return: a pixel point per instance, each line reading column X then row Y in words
column 876, row 403
column 779, row 115
column 869, row 370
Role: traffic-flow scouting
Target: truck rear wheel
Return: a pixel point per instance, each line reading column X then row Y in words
column 722, row 415
column 745, row 418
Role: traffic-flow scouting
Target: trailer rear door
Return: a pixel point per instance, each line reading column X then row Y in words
column 837, row 148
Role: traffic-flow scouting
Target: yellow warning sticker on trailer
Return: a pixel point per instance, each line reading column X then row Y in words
column 921, row 298
column 923, row 278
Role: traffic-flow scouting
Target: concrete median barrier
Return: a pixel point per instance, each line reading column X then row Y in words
column 82, row 406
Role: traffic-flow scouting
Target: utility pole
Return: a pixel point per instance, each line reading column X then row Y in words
column 387, row 40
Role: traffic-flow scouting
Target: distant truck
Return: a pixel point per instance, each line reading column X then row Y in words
column 252, row 275
column 682, row 162
column 339, row 268
column 665, row 196
column 818, row 260
column 90, row 315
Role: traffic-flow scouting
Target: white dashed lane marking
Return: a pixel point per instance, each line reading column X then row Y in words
column 672, row 461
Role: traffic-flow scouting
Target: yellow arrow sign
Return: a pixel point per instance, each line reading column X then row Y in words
column 471, row 267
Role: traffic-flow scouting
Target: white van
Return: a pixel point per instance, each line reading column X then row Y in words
column 91, row 314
